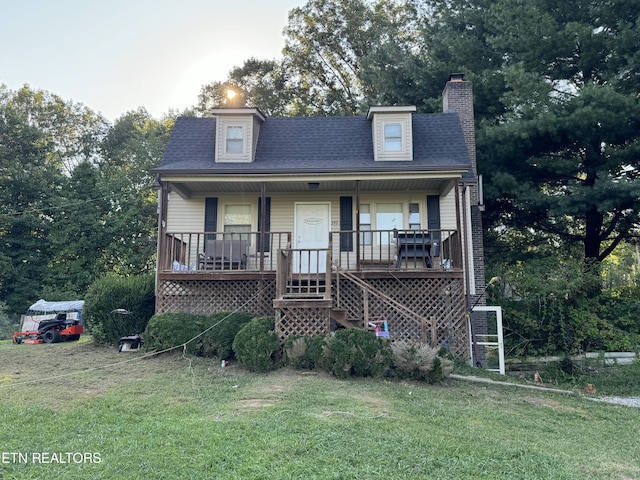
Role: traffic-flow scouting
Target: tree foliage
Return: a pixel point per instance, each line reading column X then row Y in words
column 75, row 195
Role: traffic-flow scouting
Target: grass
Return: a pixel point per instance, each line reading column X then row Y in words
column 170, row 417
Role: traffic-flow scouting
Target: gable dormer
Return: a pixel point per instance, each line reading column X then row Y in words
column 237, row 132
column 392, row 133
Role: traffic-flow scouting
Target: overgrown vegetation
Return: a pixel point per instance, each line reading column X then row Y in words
column 550, row 307
column 118, row 306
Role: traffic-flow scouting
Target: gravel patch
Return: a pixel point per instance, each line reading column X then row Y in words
column 626, row 401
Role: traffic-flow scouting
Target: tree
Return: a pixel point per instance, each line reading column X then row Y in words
column 29, row 181
column 132, row 148
column 258, row 83
column 565, row 156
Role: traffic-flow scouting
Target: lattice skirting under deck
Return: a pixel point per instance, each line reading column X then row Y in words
column 207, row 297
column 440, row 301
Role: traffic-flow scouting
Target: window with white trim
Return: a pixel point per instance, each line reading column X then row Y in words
column 365, row 224
column 237, row 220
column 392, row 137
column 235, row 139
column 414, row 216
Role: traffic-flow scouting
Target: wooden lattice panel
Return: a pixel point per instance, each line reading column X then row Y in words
column 440, row 301
column 307, row 321
column 210, row 296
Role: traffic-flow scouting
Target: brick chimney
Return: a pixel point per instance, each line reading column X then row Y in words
column 458, row 96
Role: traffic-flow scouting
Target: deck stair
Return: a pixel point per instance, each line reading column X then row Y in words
column 421, row 320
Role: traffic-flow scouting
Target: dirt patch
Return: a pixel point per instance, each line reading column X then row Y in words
column 555, row 405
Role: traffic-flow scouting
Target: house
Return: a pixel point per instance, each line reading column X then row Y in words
column 326, row 222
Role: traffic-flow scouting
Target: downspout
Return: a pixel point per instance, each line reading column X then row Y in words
column 472, row 344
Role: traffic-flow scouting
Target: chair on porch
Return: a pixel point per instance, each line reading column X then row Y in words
column 224, row 255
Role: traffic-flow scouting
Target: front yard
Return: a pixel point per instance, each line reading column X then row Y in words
column 186, row 417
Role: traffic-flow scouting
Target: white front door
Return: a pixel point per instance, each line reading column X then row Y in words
column 312, row 224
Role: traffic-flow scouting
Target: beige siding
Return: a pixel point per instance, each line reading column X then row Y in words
column 448, row 211
column 185, row 215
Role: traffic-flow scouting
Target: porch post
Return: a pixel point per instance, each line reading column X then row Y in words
column 263, row 221
column 161, row 254
column 357, row 239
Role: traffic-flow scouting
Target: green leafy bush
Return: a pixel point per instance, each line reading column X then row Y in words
column 355, row 352
column 218, row 342
column 304, row 353
column 256, row 345
column 7, row 326
column 167, row 330
column 133, row 294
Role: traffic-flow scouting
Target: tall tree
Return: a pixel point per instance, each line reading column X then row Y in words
column 132, row 148
column 257, row 83
column 29, row 182
column 565, row 157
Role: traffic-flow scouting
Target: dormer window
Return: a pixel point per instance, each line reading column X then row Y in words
column 235, row 139
column 392, row 137
column 392, row 133
column 237, row 131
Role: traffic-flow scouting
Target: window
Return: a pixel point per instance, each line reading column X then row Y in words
column 365, row 224
column 235, row 139
column 392, row 137
column 237, row 220
column 414, row 216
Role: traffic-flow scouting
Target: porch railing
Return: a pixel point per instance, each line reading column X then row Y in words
column 351, row 250
column 304, row 273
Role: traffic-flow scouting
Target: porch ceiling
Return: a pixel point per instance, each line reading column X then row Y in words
column 330, row 185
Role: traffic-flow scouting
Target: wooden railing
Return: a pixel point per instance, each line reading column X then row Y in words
column 197, row 251
column 351, row 250
column 397, row 249
column 304, row 273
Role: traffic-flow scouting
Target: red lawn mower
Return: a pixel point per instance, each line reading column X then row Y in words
column 55, row 330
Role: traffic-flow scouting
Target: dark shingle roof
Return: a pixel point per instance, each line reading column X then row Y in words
column 317, row 144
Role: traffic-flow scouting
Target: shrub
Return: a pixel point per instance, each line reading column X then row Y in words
column 218, row 342
column 304, row 352
column 134, row 294
column 355, row 352
column 420, row 362
column 256, row 345
column 167, row 330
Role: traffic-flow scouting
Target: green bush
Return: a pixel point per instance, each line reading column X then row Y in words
column 304, row 353
column 134, row 294
column 355, row 352
column 256, row 345
column 167, row 330
column 218, row 342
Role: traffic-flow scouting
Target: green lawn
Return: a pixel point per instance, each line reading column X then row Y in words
column 170, row 417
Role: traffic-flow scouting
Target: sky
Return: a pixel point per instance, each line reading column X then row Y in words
column 115, row 56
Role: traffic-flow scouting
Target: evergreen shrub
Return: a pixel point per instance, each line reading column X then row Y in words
column 256, row 345
column 218, row 342
column 356, row 352
column 167, row 330
column 304, row 353
column 420, row 362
